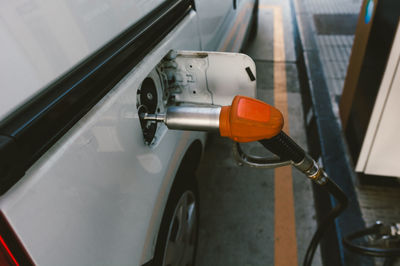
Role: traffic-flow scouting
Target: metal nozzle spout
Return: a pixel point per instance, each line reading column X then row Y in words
column 188, row 118
column 153, row 117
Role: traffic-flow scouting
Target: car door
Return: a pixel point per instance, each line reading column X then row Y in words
column 223, row 24
column 80, row 185
column 212, row 15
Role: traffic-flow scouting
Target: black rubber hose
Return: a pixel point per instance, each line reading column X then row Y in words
column 370, row 251
column 283, row 146
column 342, row 202
column 287, row 149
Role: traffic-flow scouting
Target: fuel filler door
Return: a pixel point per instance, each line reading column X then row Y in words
column 194, row 78
column 208, row 77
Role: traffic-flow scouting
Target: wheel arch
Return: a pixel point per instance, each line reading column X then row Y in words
column 190, row 160
column 187, row 167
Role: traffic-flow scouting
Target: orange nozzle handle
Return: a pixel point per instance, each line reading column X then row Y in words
column 248, row 119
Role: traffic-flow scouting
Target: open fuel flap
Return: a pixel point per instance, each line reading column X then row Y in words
column 194, row 78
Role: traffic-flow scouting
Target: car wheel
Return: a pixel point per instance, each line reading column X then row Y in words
column 177, row 238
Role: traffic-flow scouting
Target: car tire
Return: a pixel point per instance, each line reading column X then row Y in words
column 177, row 237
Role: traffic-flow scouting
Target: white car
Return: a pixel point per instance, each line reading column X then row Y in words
column 83, row 180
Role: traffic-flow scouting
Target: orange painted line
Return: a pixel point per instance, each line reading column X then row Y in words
column 285, row 243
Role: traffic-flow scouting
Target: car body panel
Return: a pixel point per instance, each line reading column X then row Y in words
column 101, row 176
column 212, row 15
column 98, row 194
column 218, row 20
column 222, row 27
column 238, row 23
column 43, row 39
column 212, row 77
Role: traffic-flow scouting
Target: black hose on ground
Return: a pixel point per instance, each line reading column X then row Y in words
column 287, row 149
column 342, row 201
column 382, row 250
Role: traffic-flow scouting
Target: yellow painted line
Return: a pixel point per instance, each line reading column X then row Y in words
column 285, row 243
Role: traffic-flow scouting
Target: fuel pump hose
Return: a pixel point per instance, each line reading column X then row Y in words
column 283, row 146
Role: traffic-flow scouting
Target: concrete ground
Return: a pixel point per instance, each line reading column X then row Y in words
column 333, row 25
column 237, row 212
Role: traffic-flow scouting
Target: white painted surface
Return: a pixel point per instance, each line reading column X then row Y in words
column 97, row 196
column 42, row 39
column 219, row 21
column 213, row 77
column 211, row 20
column 92, row 197
column 380, row 152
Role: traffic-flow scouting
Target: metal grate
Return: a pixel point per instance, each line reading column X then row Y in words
column 335, row 24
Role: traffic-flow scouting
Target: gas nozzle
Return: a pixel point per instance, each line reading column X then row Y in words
column 194, row 118
column 249, row 120
column 246, row 120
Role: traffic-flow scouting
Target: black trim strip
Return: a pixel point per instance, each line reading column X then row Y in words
column 35, row 127
column 13, row 243
column 149, row 263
